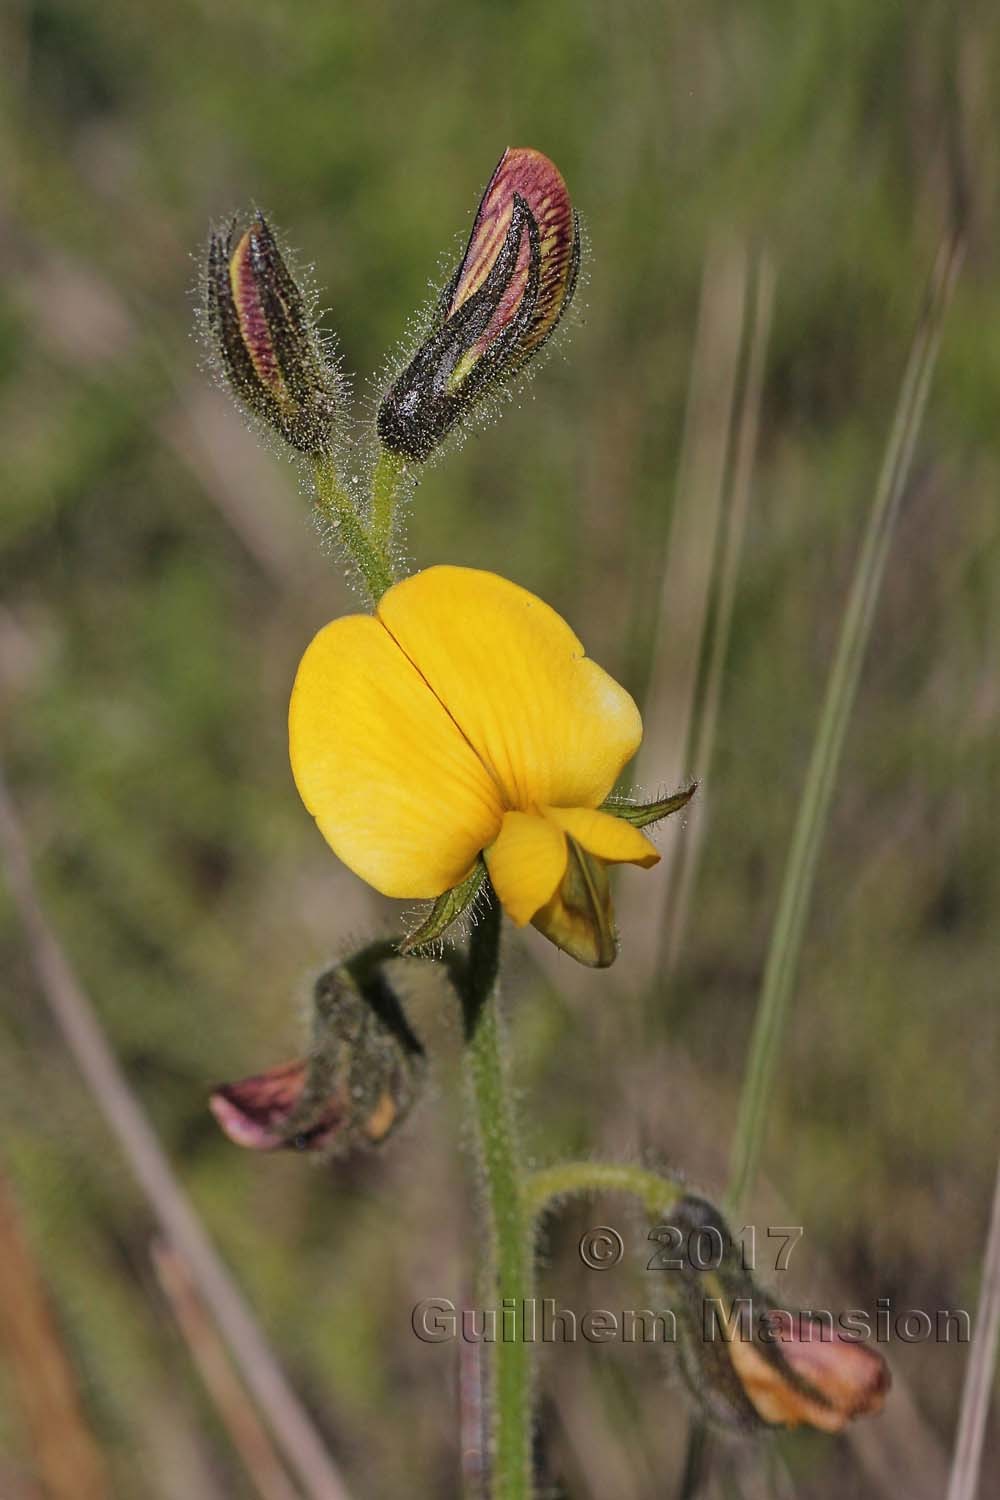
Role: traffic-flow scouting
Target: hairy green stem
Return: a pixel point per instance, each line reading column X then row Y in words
column 841, row 691
column 655, row 1193
column 511, row 1268
column 390, row 472
column 335, row 506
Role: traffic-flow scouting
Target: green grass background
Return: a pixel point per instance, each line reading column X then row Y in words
column 160, row 580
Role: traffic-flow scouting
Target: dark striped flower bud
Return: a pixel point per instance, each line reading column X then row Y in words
column 509, row 292
column 259, row 326
column 359, row 1081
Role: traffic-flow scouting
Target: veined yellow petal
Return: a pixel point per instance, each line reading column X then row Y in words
column 526, row 864
column 600, row 833
column 395, row 789
column 550, row 725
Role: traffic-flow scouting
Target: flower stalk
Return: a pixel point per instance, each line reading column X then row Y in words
column 510, row 1264
column 335, row 506
column 387, row 487
column 569, row 1179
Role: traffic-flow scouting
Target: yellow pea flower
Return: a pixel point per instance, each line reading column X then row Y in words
column 462, row 720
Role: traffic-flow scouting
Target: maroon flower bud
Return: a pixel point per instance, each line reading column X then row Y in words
column 512, row 286
column 260, row 328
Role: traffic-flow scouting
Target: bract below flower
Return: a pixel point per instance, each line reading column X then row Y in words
column 463, row 719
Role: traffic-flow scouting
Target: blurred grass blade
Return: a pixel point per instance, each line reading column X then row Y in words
column 690, row 836
column 293, row 1429
column 692, row 545
column 695, row 519
column 230, row 1400
column 814, row 806
column 978, row 1385
column 66, row 1456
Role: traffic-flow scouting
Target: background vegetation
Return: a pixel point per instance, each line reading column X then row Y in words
column 160, row 579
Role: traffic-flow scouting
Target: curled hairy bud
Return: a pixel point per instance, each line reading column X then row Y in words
column 360, row 1080
column 750, row 1363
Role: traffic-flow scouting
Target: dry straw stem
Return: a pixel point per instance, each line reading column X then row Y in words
column 687, row 846
column 697, row 509
column 473, row 1416
column 66, row 1457
column 601, row 1457
column 841, row 691
column 248, row 1436
column 978, row 1385
column 293, row 1430
column 690, row 562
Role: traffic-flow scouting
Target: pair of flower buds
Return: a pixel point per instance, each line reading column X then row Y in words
column 509, row 292
column 749, row 1364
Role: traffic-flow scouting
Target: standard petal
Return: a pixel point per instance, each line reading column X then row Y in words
column 610, row 838
column 526, row 864
column 548, row 724
column 396, row 790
